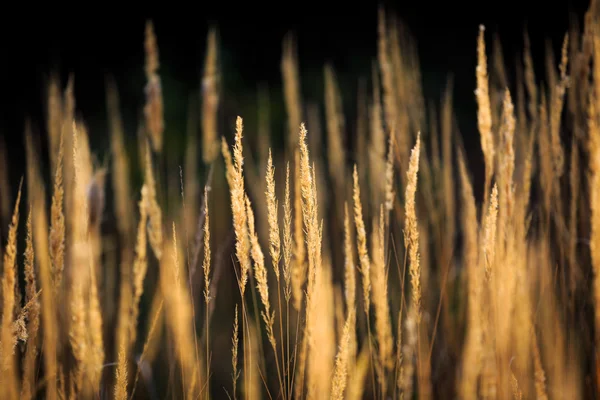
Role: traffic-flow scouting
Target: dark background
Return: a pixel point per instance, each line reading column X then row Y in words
column 98, row 42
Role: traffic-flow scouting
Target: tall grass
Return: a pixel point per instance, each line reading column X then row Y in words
column 378, row 268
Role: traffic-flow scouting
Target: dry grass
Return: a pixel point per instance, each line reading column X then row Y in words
column 456, row 289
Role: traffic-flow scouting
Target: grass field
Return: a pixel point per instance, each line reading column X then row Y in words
column 347, row 257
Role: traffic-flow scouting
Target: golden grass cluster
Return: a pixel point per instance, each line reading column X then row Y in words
column 392, row 276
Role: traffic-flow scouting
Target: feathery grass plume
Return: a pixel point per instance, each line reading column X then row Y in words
column 79, row 277
column 235, row 180
column 140, row 263
column 210, row 100
column 256, row 188
column 229, row 169
column 361, row 241
column 57, row 223
column 335, row 129
column 508, row 269
column 87, row 343
column 516, row 390
column 50, row 329
column 153, row 109
column 472, row 350
column 340, row 374
column 262, row 284
column 154, row 226
column 489, row 238
column 234, row 353
column 299, row 253
column 20, row 313
column 238, row 205
column 274, row 238
column 287, row 268
column 411, row 241
column 206, row 263
column 206, row 268
column 364, row 261
column 287, row 237
column 379, row 295
column 260, row 273
column 350, row 283
column 124, row 212
column 380, row 299
column 506, row 160
column 94, row 322
column 121, row 373
column 489, row 369
column 120, row 164
column 349, row 274
column 315, row 266
column 123, row 323
column 291, row 90
column 33, row 324
column 484, row 112
column 9, row 377
column 411, row 234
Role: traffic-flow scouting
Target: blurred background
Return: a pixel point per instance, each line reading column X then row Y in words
column 101, row 43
